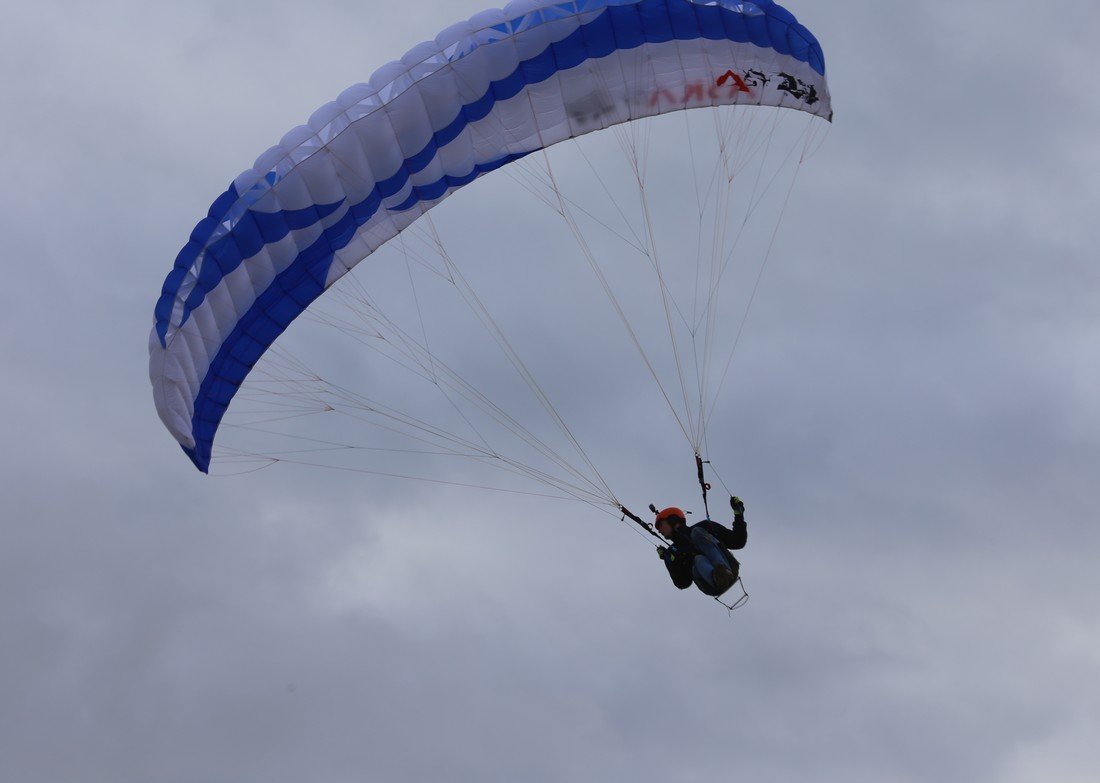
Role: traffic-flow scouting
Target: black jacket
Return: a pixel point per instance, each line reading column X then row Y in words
column 680, row 556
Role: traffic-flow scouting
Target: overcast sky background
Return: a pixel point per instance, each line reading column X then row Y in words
column 918, row 447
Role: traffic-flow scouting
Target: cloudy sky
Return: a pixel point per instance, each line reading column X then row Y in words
column 914, row 427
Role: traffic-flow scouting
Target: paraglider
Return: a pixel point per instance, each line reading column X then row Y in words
column 699, row 554
column 486, row 95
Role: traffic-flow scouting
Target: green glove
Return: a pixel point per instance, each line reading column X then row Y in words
column 662, row 552
column 736, row 504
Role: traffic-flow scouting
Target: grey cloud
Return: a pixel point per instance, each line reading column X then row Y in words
column 912, row 421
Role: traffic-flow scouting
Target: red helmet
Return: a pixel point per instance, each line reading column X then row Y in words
column 671, row 515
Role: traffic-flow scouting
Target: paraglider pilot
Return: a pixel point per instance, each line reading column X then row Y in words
column 699, row 553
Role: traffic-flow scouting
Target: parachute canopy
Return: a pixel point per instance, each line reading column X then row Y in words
column 484, row 93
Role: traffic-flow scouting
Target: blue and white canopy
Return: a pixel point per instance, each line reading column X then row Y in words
column 484, row 93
